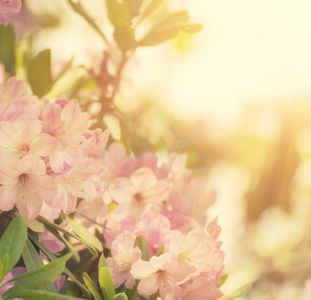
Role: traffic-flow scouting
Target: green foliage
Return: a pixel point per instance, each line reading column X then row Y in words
column 105, row 283
column 241, row 291
column 33, row 261
column 91, row 286
column 161, row 250
column 7, row 54
column 120, row 296
column 39, row 277
column 223, row 279
column 89, row 239
column 40, row 295
column 142, row 245
column 39, row 73
column 11, row 244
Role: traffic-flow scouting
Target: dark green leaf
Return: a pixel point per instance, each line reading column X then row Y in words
column 142, row 245
column 120, row 296
column 118, row 13
column 40, row 277
column 40, row 295
column 39, row 73
column 125, row 38
column 13, row 241
column 52, row 257
column 91, row 286
column 33, row 261
column 7, row 54
column 105, row 283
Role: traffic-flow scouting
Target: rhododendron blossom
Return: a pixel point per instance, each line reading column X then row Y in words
column 47, row 154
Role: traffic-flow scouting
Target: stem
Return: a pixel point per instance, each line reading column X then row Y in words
column 79, row 9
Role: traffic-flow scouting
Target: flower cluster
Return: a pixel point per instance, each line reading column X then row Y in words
column 47, row 153
column 165, row 208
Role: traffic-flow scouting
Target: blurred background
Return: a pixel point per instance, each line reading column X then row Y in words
column 235, row 97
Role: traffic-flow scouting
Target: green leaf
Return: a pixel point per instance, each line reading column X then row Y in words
column 40, row 294
column 82, row 232
column 91, row 286
column 4, row 263
column 106, row 283
column 142, row 245
column 133, row 7
column 125, row 38
column 52, row 257
column 223, row 279
column 102, row 262
column 118, row 13
column 33, row 260
column 91, row 248
column 243, row 290
column 7, row 56
column 13, row 241
column 120, row 296
column 39, row 73
column 161, row 250
column 40, row 277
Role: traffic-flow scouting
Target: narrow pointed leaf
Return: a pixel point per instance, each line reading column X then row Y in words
column 120, row 296
column 33, row 261
column 106, row 284
column 91, row 286
column 82, row 232
column 102, row 262
column 4, row 264
column 13, row 241
column 40, row 277
column 142, row 245
column 52, row 257
column 40, row 295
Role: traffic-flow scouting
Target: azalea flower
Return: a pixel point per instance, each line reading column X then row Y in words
column 24, row 183
column 123, row 255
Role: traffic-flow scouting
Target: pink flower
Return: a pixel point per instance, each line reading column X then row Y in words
column 9, row 7
column 159, row 274
column 140, row 189
column 24, row 136
column 24, row 183
column 200, row 288
column 124, row 255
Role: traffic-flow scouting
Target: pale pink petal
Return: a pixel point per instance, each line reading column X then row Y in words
column 158, row 193
column 31, row 164
column 29, row 203
column 121, row 190
column 143, row 179
column 10, row 7
column 28, row 126
column 149, row 285
column 8, row 196
column 9, row 137
column 43, row 144
column 141, row 269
